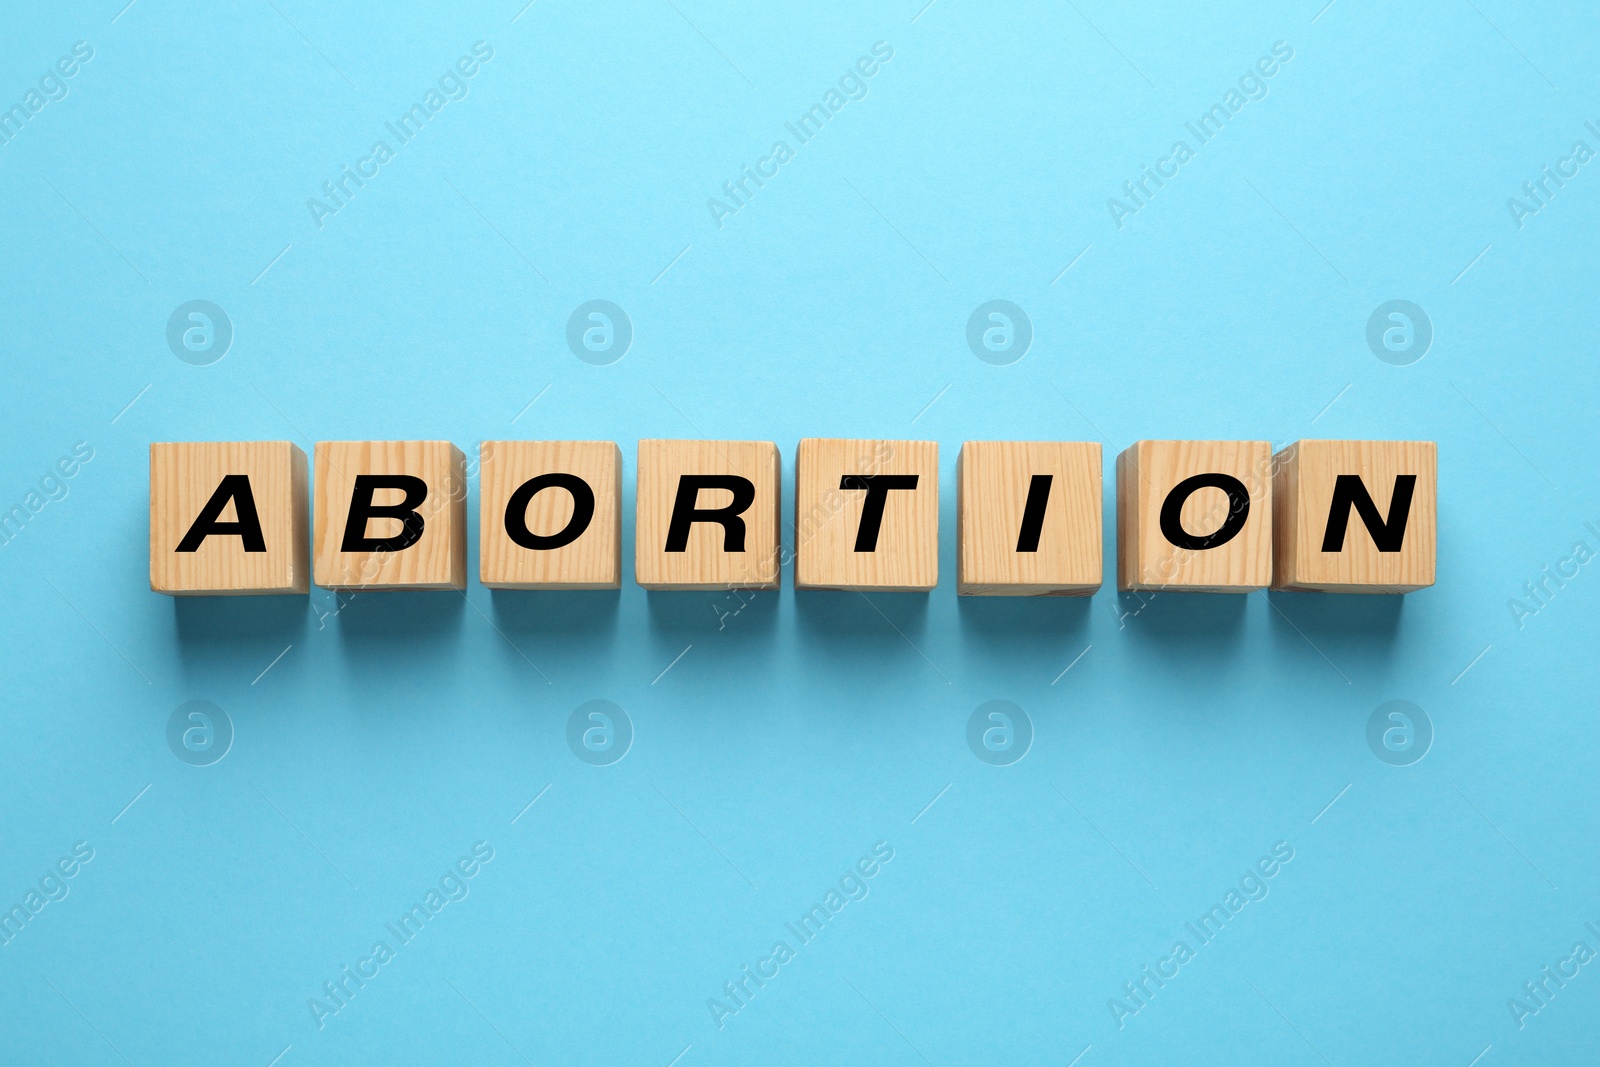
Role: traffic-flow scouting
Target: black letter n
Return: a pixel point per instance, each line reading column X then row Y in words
column 1349, row 491
column 246, row 525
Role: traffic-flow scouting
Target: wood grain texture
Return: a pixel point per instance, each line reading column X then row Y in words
column 827, row 517
column 1306, row 472
column 183, row 478
column 704, row 564
column 439, row 558
column 594, row 560
column 1147, row 471
column 993, row 480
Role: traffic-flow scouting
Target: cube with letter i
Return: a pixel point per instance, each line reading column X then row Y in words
column 1029, row 518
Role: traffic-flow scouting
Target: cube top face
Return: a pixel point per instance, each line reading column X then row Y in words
column 706, row 515
column 867, row 515
column 1356, row 516
column 1194, row 516
column 550, row 515
column 207, row 503
column 1029, row 518
column 408, row 500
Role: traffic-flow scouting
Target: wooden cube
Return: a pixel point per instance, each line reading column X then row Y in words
column 1194, row 516
column 706, row 515
column 550, row 515
column 229, row 518
column 1028, row 518
column 390, row 515
column 867, row 515
column 1355, row 516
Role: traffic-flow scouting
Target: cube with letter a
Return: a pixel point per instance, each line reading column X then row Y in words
column 1194, row 516
column 228, row 518
column 390, row 515
column 1029, row 518
column 706, row 515
column 1356, row 516
column 867, row 515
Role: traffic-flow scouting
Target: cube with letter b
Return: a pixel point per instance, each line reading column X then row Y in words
column 867, row 515
column 1356, row 516
column 1029, row 518
column 1194, row 516
column 228, row 518
column 550, row 515
column 390, row 515
column 707, row 515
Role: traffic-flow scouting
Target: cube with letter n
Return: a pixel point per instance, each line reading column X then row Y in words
column 1355, row 516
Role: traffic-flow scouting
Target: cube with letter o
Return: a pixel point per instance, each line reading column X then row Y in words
column 550, row 515
column 1194, row 516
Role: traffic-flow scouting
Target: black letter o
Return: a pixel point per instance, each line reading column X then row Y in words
column 1172, row 511
column 517, row 511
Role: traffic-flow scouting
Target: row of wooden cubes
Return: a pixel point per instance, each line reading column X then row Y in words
column 1198, row 516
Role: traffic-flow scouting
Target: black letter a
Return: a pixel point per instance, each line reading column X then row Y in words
column 246, row 524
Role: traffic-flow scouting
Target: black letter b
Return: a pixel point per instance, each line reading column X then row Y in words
column 362, row 510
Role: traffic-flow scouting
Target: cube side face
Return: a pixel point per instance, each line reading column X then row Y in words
column 1285, row 516
column 593, row 560
column 995, row 483
column 184, row 477
column 1237, row 564
column 435, row 560
column 1127, row 517
column 704, row 562
column 1359, row 565
column 828, row 518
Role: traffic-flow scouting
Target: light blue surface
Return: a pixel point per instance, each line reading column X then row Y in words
column 374, row 747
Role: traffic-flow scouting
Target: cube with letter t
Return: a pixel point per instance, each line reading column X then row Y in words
column 1356, row 516
column 228, row 518
column 706, row 515
column 867, row 515
column 390, row 515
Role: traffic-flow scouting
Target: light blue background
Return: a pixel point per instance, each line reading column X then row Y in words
column 1186, row 741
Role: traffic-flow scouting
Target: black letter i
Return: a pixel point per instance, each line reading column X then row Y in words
column 1033, row 513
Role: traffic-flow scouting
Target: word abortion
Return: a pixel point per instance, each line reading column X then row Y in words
column 1198, row 516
